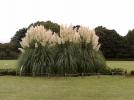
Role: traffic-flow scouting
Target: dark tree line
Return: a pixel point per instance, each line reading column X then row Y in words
column 8, row 51
column 130, row 42
column 112, row 44
column 115, row 46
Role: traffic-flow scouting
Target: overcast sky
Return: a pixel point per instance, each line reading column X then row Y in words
column 113, row 14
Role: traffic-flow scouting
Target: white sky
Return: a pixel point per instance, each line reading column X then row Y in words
column 113, row 14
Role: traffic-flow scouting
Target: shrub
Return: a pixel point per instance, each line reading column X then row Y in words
column 80, row 51
column 7, row 71
column 132, row 72
column 3, row 71
column 106, row 71
column 117, row 71
column 11, row 71
column 69, row 52
column 65, row 59
column 37, row 61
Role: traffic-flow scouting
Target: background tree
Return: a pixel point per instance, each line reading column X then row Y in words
column 21, row 32
column 8, row 51
column 15, row 40
column 112, row 44
column 47, row 25
column 130, row 42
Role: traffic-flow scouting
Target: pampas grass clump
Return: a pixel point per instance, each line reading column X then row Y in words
column 70, row 52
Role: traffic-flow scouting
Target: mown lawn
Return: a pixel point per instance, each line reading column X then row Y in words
column 71, row 88
column 5, row 64
column 126, row 65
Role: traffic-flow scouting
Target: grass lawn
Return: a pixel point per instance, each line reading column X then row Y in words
column 127, row 65
column 4, row 64
column 73, row 88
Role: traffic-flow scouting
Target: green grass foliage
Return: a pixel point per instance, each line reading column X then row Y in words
column 70, row 56
column 64, row 59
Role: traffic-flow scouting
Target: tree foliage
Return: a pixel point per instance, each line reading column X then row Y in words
column 15, row 40
column 130, row 43
column 8, row 51
column 47, row 25
column 112, row 44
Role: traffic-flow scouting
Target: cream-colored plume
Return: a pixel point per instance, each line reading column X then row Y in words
column 46, row 37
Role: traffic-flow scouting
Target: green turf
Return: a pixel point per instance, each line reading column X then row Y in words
column 73, row 88
column 60, row 88
column 126, row 65
column 4, row 64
